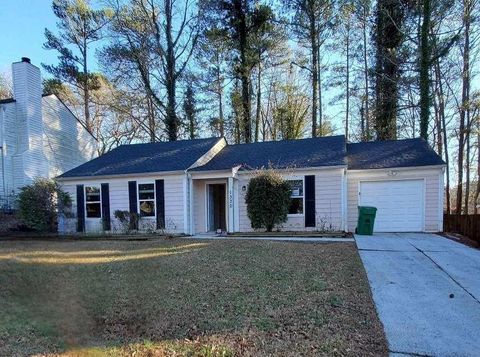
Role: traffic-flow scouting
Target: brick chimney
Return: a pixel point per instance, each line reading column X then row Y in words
column 27, row 92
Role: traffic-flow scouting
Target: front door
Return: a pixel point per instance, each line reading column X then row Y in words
column 216, row 207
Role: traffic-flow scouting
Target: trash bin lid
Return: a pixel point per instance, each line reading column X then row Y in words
column 367, row 209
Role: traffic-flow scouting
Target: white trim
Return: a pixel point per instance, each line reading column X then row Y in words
column 387, row 179
column 344, row 201
column 120, row 176
column 292, row 170
column 441, row 199
column 185, row 203
column 236, row 207
column 230, row 205
column 207, row 175
column 416, row 168
column 85, row 202
column 220, row 144
column 190, row 207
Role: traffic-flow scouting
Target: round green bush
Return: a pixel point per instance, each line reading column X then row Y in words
column 39, row 202
column 268, row 200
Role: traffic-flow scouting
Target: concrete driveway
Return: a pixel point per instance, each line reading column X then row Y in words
column 427, row 292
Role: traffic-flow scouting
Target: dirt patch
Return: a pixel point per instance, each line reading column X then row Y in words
column 461, row 239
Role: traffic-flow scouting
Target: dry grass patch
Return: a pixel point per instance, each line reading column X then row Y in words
column 185, row 298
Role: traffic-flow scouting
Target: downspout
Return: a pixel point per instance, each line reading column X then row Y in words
column 188, row 201
column 3, row 153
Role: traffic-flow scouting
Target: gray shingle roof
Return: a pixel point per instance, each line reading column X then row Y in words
column 313, row 152
column 391, row 153
column 145, row 158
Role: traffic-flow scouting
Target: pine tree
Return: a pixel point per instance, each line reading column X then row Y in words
column 79, row 27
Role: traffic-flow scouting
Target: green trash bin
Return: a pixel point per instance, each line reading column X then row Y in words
column 366, row 220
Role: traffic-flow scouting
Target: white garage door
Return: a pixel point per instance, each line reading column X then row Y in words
column 399, row 204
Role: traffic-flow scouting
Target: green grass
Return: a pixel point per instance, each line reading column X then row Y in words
column 185, row 298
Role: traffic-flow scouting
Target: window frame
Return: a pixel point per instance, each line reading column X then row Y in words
column 154, row 199
column 86, row 202
column 302, row 179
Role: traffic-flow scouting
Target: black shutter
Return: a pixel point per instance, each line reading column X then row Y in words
column 160, row 203
column 106, row 207
column 310, row 201
column 80, row 209
column 132, row 195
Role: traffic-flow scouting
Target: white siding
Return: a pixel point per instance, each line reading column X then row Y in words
column 29, row 160
column 40, row 136
column 67, row 144
column 433, row 194
column 199, row 205
column 9, row 144
column 119, row 200
column 328, row 201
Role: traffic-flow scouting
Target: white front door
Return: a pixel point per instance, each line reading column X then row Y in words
column 399, row 203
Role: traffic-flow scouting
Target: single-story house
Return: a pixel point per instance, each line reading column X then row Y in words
column 196, row 186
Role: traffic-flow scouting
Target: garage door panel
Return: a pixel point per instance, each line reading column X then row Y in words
column 399, row 204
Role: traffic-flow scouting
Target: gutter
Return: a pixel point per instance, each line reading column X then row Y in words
column 119, row 176
column 403, row 168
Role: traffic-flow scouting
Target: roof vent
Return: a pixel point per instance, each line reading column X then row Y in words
column 26, row 59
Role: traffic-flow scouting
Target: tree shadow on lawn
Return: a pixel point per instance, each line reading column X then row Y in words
column 183, row 298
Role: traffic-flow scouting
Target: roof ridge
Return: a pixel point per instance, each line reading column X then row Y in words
column 289, row 140
column 168, row 141
column 387, row 141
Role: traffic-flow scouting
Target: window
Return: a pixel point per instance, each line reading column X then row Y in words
column 146, row 199
column 93, row 206
column 296, row 198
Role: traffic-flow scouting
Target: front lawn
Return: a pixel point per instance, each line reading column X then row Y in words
column 185, row 298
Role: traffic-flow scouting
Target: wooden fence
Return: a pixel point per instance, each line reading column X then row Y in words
column 467, row 225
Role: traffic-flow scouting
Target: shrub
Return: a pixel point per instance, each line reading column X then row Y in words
column 39, row 202
column 268, row 200
column 128, row 220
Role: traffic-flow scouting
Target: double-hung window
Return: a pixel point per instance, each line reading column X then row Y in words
column 146, row 199
column 296, row 197
column 93, row 202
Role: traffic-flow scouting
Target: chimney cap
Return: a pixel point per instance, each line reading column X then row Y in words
column 26, row 59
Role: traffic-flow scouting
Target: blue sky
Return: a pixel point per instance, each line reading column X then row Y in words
column 22, row 25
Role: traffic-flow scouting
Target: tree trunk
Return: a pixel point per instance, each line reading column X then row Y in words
column 259, row 99
column 220, row 102
column 362, row 121
column 467, row 166
column 151, row 119
column 465, row 100
column 425, row 54
column 388, row 38
column 171, row 121
column 244, row 71
column 442, row 134
column 86, row 89
column 347, row 93
column 314, row 48
column 220, row 114
column 320, row 104
column 366, row 113
column 477, row 191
